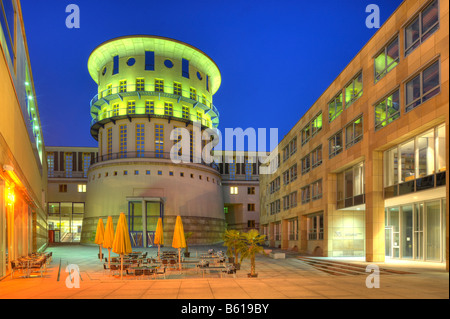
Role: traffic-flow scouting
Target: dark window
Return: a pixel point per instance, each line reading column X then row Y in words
column 422, row 87
column 149, row 60
column 116, row 65
column 185, row 68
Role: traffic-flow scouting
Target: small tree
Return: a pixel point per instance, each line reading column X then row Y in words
column 252, row 245
column 232, row 240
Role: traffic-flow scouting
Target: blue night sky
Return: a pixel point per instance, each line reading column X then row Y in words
column 284, row 52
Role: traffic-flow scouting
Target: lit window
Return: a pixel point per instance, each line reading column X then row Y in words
column 131, row 109
column 185, row 112
column 68, row 164
column 177, row 88
column 386, row 60
column 51, row 164
column 354, row 90
column 159, row 85
column 422, row 27
column 193, row 94
column 81, row 188
column 140, row 140
column 109, row 141
column 159, row 140
column 387, row 110
column 123, row 141
column 168, row 109
column 335, row 108
column 122, row 86
column 233, row 190
column 149, row 107
column 109, row 89
column 140, row 84
column 115, row 109
column 316, row 124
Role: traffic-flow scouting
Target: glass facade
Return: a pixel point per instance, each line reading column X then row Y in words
column 65, row 220
column 416, row 231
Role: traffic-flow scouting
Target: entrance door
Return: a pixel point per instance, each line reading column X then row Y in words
column 418, row 231
column 388, row 241
column 135, row 224
column 154, row 211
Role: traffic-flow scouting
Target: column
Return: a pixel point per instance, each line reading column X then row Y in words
column 375, row 245
column 144, row 223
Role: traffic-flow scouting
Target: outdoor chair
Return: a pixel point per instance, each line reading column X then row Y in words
column 173, row 263
column 114, row 268
column 138, row 272
column 105, row 268
column 148, row 272
column 37, row 266
column 159, row 272
column 15, row 266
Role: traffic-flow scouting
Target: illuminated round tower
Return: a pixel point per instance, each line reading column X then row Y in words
column 149, row 86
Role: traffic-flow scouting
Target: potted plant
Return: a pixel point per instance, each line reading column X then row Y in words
column 252, row 244
column 186, row 250
column 232, row 240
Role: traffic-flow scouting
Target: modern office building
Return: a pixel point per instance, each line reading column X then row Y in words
column 153, row 106
column 23, row 169
column 67, row 185
column 364, row 170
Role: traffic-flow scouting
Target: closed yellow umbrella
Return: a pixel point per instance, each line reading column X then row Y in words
column 108, row 238
column 99, row 236
column 122, row 243
column 179, row 241
column 159, row 235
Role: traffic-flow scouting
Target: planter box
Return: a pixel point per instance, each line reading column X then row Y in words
column 277, row 255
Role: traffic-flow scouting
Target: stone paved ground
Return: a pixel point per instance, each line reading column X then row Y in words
column 288, row 278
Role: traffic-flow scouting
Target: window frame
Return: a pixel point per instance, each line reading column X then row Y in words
column 352, row 82
column 387, row 68
column 389, row 119
column 338, row 151
column 355, row 139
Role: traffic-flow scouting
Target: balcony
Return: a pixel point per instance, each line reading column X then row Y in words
column 148, row 90
column 152, row 155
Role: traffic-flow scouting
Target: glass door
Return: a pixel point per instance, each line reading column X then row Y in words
column 135, row 224
column 433, row 230
column 154, row 211
column 407, row 231
column 388, row 241
column 418, row 232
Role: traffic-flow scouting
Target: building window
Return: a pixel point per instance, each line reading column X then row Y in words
column 316, row 124
column 140, row 140
column 387, row 59
column 68, row 164
column 306, row 196
column 250, row 190
column 354, row 90
column 131, row 107
column 422, row 87
column 277, row 230
column 123, row 141
column 193, row 94
column 251, row 207
column 335, row 145
column 305, row 164
column 149, row 60
column 251, row 224
column 63, row 188
column 417, row 164
column 159, row 85
column 354, row 132
column 115, row 64
column 185, row 112
column 350, row 186
column 51, row 164
column 387, row 110
column 422, row 27
column 177, row 88
column 335, row 108
column 234, row 190
column 109, row 141
column 122, row 86
column 315, row 227
column 109, row 89
column 147, row 172
column 290, row 201
column 140, row 84
column 293, row 229
column 168, row 109
column 275, row 207
column 306, row 134
column 316, row 190
column 81, row 188
column 199, row 117
column 275, row 185
column 115, row 109
column 159, row 140
column 316, row 157
column 185, row 68
column 86, row 163
column 149, row 107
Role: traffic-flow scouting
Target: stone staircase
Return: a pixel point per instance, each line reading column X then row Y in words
column 339, row 268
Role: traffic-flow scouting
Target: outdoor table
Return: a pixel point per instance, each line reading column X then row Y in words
column 220, row 268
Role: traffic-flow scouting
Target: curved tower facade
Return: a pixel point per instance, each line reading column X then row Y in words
column 148, row 88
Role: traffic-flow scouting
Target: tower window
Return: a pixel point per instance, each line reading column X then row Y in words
column 185, row 68
column 116, row 65
column 149, row 61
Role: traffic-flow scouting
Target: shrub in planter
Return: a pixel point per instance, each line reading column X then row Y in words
column 252, row 244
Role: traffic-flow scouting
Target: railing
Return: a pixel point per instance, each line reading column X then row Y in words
column 153, row 154
column 239, row 177
column 66, row 174
column 151, row 90
column 154, row 111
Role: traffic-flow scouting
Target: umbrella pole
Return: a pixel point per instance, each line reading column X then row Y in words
column 109, row 257
column 121, row 266
column 159, row 254
column 179, row 258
